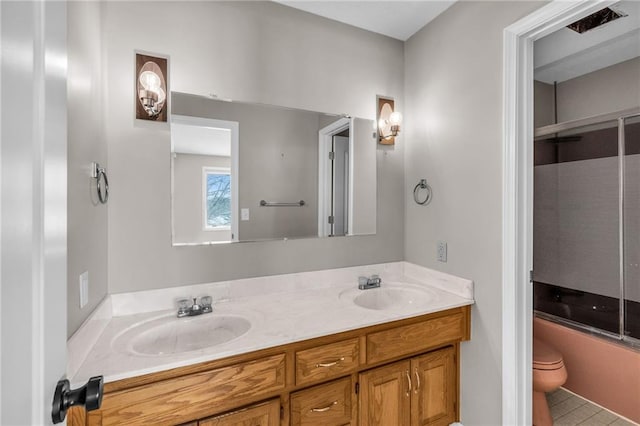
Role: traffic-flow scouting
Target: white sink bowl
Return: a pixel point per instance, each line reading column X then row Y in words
column 168, row 335
column 389, row 297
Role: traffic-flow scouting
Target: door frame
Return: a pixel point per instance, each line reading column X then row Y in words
column 517, row 198
column 325, row 136
column 33, row 201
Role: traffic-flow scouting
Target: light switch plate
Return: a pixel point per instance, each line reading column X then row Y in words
column 441, row 248
column 84, row 288
column 244, row 214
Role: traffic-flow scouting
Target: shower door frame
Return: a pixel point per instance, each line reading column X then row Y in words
column 619, row 117
column 517, row 198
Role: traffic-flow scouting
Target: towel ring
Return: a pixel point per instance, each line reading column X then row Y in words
column 100, row 174
column 416, row 191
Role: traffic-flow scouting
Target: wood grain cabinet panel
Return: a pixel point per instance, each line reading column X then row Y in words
column 385, row 395
column 415, row 338
column 433, row 401
column 194, row 396
column 265, row 414
column 327, row 405
column 327, row 361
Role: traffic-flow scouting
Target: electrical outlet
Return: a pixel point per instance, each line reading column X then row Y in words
column 244, row 214
column 84, row 288
column 441, row 248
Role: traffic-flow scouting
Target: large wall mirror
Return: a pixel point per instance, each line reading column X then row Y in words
column 253, row 172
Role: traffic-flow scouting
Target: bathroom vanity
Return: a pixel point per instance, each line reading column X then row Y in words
column 333, row 357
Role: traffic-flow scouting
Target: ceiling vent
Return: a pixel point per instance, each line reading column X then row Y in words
column 595, row 20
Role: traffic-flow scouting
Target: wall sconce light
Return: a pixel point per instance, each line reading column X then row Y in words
column 388, row 121
column 151, row 88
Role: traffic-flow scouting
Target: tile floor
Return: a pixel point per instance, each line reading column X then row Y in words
column 568, row 409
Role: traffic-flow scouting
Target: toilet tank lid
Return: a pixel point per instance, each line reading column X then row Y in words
column 544, row 353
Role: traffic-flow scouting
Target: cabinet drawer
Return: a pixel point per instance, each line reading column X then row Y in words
column 265, row 414
column 184, row 398
column 414, row 338
column 325, row 362
column 328, row 404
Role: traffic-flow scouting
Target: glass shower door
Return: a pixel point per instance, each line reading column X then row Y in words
column 576, row 256
column 630, row 133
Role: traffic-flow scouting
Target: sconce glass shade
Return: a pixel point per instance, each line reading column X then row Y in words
column 389, row 122
column 395, row 119
column 151, row 90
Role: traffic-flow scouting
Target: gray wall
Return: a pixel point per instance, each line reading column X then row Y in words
column 262, row 52
column 188, row 195
column 364, row 178
column 87, row 218
column 543, row 113
column 610, row 89
column 453, row 75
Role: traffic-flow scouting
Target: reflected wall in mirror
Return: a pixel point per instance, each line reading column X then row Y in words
column 241, row 170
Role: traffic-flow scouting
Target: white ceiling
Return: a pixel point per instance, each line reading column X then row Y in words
column 565, row 54
column 200, row 140
column 397, row 19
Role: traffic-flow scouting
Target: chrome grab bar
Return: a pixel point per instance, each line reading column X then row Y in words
column 264, row 203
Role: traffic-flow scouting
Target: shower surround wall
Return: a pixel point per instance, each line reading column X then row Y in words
column 576, row 224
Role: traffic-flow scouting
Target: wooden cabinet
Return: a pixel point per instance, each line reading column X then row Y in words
column 265, row 414
column 417, row 392
column 406, row 373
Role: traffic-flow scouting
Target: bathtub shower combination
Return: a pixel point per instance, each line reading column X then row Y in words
column 587, row 225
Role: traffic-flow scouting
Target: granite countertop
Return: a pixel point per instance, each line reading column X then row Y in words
column 278, row 317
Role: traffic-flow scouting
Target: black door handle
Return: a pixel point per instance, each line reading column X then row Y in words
column 90, row 395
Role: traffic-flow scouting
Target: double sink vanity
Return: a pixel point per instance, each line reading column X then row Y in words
column 298, row 349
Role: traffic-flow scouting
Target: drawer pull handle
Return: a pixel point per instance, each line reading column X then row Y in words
column 408, row 382
column 323, row 409
column 329, row 364
column 417, row 380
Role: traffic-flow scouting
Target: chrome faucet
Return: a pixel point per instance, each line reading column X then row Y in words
column 365, row 283
column 204, row 307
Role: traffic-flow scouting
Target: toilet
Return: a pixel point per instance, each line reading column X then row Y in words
column 549, row 374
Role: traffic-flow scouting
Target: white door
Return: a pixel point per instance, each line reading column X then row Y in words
column 340, row 185
column 33, row 208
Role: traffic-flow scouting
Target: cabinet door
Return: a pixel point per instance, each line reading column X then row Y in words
column 435, row 388
column 265, row 414
column 385, row 395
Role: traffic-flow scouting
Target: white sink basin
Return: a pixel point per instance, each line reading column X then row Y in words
column 389, row 297
column 168, row 335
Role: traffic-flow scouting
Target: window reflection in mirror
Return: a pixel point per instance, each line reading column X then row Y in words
column 227, row 157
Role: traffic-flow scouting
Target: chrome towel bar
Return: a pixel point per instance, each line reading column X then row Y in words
column 264, row 203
